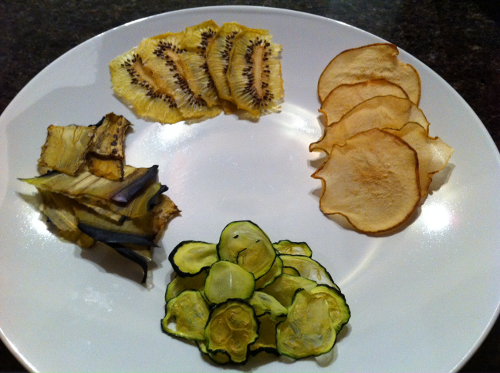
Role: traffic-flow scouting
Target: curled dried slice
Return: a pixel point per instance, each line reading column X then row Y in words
column 254, row 73
column 179, row 284
column 433, row 153
column 164, row 54
column 374, row 61
column 66, row 147
column 218, row 53
column 189, row 258
column 373, row 180
column 136, row 85
column 186, row 316
column 308, row 268
column 345, row 97
column 377, row 112
column 293, row 248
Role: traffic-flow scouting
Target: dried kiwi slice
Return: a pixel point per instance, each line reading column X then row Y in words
column 191, row 257
column 243, row 242
column 254, row 73
column 218, row 53
column 163, row 54
column 186, row 316
column 232, row 327
column 136, row 84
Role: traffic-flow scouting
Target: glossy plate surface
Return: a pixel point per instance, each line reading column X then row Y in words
column 422, row 298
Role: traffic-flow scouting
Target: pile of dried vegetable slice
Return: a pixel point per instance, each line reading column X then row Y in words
column 245, row 295
column 91, row 195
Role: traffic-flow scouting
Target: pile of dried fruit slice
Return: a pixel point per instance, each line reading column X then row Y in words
column 246, row 295
column 90, row 194
column 380, row 157
column 197, row 73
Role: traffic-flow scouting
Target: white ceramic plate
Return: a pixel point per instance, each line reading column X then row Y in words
column 422, row 299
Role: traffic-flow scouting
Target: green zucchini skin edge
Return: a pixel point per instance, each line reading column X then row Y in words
column 248, row 354
column 176, row 268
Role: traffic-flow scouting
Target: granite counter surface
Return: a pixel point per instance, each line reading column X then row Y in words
column 459, row 40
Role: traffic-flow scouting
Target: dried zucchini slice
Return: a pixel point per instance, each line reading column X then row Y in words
column 285, row 286
column 308, row 268
column 228, row 280
column 267, row 336
column 65, row 148
column 264, row 303
column 309, row 328
column 292, row 248
column 232, row 327
column 271, row 275
column 220, row 357
column 339, row 310
column 243, row 242
column 179, row 284
column 291, row 271
column 186, row 316
column 191, row 257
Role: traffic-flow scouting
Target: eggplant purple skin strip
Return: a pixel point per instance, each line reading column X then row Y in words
column 110, row 237
column 133, row 256
column 126, row 193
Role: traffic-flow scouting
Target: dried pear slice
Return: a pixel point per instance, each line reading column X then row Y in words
column 189, row 258
column 369, row 62
column 232, row 327
column 228, row 280
column 218, row 53
column 66, row 147
column 377, row 112
column 372, row 180
column 186, row 316
column 345, row 97
column 433, row 153
column 254, row 73
column 292, row 248
column 59, row 209
column 163, row 54
column 135, row 84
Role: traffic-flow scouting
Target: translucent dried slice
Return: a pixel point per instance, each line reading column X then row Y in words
column 292, row 248
column 433, row 153
column 195, row 42
column 228, row 280
column 254, row 73
column 186, row 316
column 163, row 54
column 218, row 53
column 66, row 147
column 109, row 138
column 377, row 112
column 308, row 268
column 190, row 257
column 59, row 209
column 345, row 97
column 137, row 86
column 271, row 275
column 232, row 327
column 285, row 286
column 374, row 61
column 372, row 180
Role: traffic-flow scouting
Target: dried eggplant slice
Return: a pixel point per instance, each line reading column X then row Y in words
column 86, row 183
column 133, row 256
column 65, row 148
column 109, row 138
column 186, row 316
column 111, row 169
column 59, row 210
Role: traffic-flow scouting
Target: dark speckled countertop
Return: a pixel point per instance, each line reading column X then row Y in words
column 460, row 40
